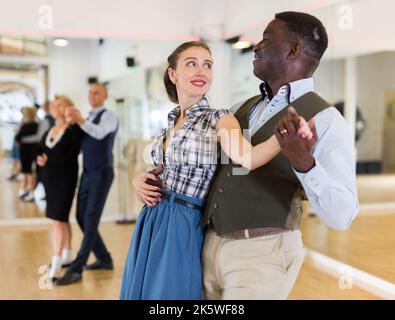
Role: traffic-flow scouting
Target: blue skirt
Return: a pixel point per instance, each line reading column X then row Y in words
column 164, row 259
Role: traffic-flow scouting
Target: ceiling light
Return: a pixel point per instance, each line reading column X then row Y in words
column 241, row 45
column 60, row 42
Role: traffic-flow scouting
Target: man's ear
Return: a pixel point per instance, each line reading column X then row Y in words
column 172, row 75
column 295, row 49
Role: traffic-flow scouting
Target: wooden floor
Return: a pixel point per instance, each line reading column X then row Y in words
column 367, row 245
column 376, row 188
column 24, row 250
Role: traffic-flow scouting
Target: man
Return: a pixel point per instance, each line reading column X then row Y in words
column 253, row 247
column 98, row 173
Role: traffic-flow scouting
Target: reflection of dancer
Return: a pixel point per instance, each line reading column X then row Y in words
column 28, row 153
column 100, row 129
column 253, row 248
column 16, row 161
column 58, row 155
column 164, row 256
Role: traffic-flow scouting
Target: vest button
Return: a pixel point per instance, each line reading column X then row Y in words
column 221, row 190
column 215, row 205
column 228, row 174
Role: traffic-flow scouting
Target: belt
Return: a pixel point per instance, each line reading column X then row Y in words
column 182, row 201
column 250, row 233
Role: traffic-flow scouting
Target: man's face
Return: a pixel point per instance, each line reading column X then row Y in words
column 270, row 54
column 97, row 95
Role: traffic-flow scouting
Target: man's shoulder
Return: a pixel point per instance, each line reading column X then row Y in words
column 107, row 113
column 330, row 120
column 233, row 109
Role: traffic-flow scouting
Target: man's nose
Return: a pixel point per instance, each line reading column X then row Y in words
column 257, row 47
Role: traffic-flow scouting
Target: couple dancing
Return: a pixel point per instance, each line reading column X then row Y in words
column 220, row 232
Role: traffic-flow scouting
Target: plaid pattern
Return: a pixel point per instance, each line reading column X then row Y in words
column 192, row 154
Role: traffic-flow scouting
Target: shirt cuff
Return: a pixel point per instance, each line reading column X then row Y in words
column 86, row 126
column 315, row 179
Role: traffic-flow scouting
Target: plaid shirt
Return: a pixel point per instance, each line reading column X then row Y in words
column 192, row 153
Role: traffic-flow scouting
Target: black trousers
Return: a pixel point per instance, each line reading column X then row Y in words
column 92, row 195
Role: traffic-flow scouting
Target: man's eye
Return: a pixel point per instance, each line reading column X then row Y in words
column 191, row 64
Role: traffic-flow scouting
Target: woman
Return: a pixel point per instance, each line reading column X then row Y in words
column 164, row 255
column 28, row 153
column 16, row 160
column 59, row 158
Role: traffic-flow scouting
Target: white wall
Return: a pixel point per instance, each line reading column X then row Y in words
column 147, row 53
column 69, row 69
column 329, row 80
column 376, row 74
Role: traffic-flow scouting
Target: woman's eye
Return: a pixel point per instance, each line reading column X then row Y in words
column 191, row 64
column 208, row 65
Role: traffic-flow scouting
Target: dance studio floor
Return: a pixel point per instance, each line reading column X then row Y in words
column 24, row 250
column 367, row 246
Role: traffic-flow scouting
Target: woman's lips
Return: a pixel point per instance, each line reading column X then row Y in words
column 198, row 83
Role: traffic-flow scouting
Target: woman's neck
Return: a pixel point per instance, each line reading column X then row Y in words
column 61, row 122
column 186, row 103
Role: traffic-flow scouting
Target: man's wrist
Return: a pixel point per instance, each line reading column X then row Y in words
column 305, row 165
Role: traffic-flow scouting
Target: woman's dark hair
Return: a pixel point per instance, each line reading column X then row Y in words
column 172, row 61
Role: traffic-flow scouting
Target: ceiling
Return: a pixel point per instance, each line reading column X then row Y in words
column 355, row 27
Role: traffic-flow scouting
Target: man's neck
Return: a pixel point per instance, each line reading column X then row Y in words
column 272, row 88
column 93, row 109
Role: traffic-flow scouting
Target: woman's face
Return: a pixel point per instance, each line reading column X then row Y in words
column 57, row 109
column 193, row 73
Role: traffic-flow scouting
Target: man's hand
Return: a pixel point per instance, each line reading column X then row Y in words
column 42, row 160
column 147, row 187
column 295, row 141
column 73, row 115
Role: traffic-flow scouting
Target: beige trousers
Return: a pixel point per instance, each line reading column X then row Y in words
column 259, row 268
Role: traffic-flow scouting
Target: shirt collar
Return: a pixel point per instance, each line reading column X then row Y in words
column 292, row 90
column 95, row 111
column 195, row 111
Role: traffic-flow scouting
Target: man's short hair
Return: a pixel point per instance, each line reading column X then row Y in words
column 308, row 28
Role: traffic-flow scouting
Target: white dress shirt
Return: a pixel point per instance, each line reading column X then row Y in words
column 108, row 123
column 331, row 184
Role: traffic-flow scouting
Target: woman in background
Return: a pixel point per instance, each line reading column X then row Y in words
column 28, row 153
column 58, row 156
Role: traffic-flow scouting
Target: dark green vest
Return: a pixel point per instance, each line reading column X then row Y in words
column 268, row 196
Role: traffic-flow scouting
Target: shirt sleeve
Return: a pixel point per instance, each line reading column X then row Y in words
column 108, row 123
column 41, row 145
column 330, row 185
column 218, row 114
column 43, row 126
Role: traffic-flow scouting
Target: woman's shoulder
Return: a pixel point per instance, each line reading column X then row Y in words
column 213, row 115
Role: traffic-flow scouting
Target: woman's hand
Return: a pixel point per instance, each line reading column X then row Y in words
column 297, row 139
column 41, row 160
column 147, row 193
column 304, row 130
